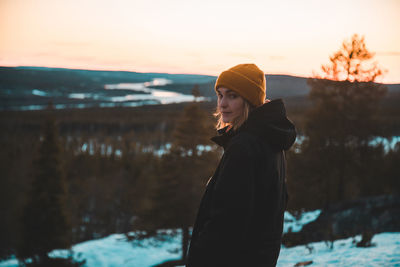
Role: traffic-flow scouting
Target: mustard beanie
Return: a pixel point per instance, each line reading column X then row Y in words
column 245, row 79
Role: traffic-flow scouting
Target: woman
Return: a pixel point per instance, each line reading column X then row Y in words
column 240, row 219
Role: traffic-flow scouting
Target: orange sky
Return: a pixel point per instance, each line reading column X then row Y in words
column 202, row 37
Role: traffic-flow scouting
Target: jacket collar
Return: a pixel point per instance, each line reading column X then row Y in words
column 268, row 122
column 223, row 137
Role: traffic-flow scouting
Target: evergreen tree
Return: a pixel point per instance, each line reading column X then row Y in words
column 196, row 92
column 342, row 122
column 186, row 170
column 191, row 130
column 45, row 224
column 182, row 178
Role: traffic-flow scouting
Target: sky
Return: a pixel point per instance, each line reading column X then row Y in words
column 292, row 37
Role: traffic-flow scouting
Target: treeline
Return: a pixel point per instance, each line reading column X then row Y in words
column 102, row 171
column 131, row 186
column 139, row 189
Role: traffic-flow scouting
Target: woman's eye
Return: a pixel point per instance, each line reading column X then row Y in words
column 232, row 96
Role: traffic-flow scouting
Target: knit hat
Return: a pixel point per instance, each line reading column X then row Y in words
column 245, row 79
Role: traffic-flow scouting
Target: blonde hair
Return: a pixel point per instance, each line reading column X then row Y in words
column 237, row 122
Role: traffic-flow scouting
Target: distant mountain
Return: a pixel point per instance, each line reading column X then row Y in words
column 282, row 86
column 20, row 86
column 109, row 76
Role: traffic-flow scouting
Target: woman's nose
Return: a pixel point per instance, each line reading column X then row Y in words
column 223, row 102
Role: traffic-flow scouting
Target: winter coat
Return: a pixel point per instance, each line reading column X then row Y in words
column 240, row 218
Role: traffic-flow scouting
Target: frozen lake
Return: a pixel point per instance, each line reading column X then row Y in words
column 112, row 95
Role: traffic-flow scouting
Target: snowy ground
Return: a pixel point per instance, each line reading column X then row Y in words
column 386, row 252
column 114, row 250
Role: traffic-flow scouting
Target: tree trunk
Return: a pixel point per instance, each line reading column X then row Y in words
column 342, row 172
column 185, row 242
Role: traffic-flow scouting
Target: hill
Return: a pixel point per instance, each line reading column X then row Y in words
column 28, row 88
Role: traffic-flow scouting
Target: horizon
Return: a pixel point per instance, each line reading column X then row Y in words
column 185, row 37
column 133, row 71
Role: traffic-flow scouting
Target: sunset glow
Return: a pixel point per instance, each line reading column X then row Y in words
column 199, row 37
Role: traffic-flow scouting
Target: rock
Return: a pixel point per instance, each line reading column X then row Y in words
column 170, row 263
column 303, row 263
column 366, row 240
column 374, row 214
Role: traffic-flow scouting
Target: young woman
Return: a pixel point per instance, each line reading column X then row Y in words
column 240, row 219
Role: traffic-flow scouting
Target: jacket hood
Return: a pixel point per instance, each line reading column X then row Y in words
column 268, row 122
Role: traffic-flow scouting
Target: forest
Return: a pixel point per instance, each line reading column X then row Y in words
column 70, row 175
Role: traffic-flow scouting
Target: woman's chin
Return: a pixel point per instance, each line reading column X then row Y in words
column 226, row 120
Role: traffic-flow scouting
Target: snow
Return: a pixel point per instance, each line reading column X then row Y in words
column 145, row 95
column 293, row 225
column 386, row 252
column 116, row 250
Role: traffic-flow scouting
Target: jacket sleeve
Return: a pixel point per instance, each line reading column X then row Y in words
column 223, row 238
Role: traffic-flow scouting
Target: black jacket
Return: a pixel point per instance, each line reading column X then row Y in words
column 240, row 219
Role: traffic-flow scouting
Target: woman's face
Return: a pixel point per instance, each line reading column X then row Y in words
column 230, row 104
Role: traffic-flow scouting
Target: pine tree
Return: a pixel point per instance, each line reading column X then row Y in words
column 196, row 92
column 343, row 120
column 186, row 170
column 45, row 224
column 182, row 176
column 191, row 130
